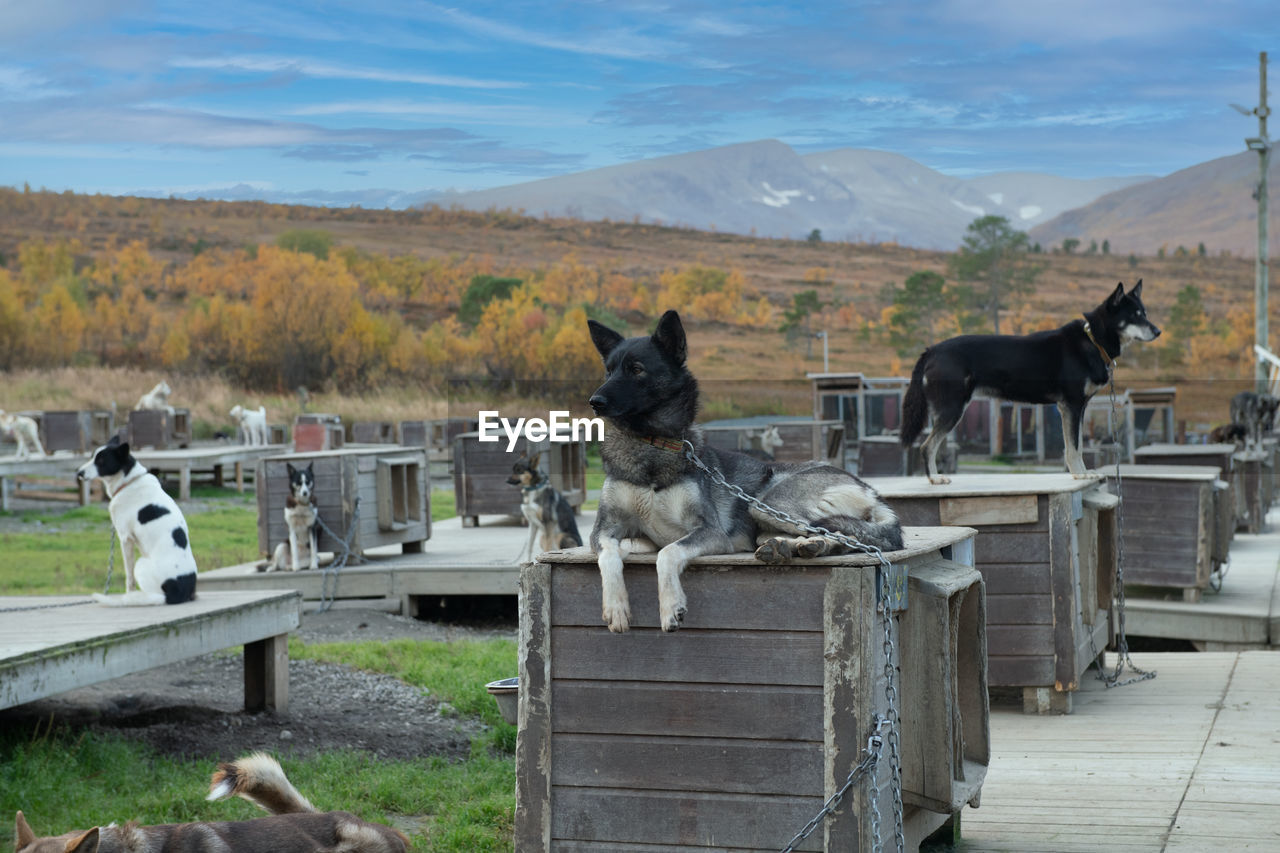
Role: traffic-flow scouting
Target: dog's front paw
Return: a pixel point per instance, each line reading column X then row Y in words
column 774, row 551
column 1086, row 475
column 939, row 480
column 673, row 617
column 617, row 615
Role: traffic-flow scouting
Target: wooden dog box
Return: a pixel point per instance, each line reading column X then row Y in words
column 160, row 428
column 884, row 456
column 67, row 430
column 1168, row 524
column 373, row 432
column 481, row 469
column 391, row 483
column 317, row 432
column 803, row 441
column 444, row 430
column 1046, row 550
column 413, row 433
column 1253, row 489
column 729, row 733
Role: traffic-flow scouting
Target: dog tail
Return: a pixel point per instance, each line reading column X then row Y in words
column 915, row 408
column 259, row 779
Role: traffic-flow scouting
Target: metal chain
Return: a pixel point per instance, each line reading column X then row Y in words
column 871, row 755
column 339, row 561
column 891, row 721
column 1122, row 641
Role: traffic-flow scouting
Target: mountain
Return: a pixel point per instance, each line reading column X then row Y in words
column 1210, row 203
column 372, row 198
column 766, row 188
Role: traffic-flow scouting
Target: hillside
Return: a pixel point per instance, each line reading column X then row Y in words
column 854, row 275
column 1210, row 203
column 765, row 188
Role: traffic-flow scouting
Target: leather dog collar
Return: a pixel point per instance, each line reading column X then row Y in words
column 126, row 484
column 675, row 445
column 1106, row 356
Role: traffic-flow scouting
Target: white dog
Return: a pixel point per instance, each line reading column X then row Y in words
column 24, row 431
column 147, row 521
column 300, row 518
column 253, row 424
column 157, row 399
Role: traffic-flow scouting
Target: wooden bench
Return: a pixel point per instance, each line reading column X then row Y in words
column 52, row 650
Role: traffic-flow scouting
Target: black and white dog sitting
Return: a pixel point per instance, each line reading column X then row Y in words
column 549, row 514
column 1066, row 366
column 158, row 563
column 300, row 519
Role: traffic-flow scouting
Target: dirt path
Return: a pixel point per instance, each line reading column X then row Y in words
column 195, row 708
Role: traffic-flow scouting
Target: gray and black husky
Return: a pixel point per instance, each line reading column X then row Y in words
column 654, row 497
column 1066, row 366
column 549, row 514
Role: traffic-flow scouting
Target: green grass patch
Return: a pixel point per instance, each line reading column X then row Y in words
column 67, row 553
column 443, row 504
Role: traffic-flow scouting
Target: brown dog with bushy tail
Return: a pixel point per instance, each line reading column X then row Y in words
column 295, row 826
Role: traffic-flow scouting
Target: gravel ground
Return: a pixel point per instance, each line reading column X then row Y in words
column 195, row 708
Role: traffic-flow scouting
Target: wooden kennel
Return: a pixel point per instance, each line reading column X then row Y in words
column 316, row 432
column 413, row 433
column 1220, row 456
column 67, row 430
column 884, row 456
column 481, row 469
column 160, row 428
column 391, row 484
column 1046, row 550
column 1253, row 482
column 373, row 432
column 444, row 430
column 1169, row 524
column 731, row 732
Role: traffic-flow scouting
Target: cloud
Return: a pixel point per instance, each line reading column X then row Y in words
column 334, row 153
column 327, row 70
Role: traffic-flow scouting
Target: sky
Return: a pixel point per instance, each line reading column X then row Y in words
column 353, row 96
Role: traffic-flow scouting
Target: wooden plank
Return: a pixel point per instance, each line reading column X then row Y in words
column 1019, row 609
column 1018, row 670
column 693, row 819
column 984, row 511
column 1004, row 578
column 996, row 547
column 45, row 652
column 1065, row 588
column 1020, row 639
column 533, row 736
column 688, row 710
column 758, row 767
column 266, row 674
column 721, row 657
column 848, row 674
column 781, row 598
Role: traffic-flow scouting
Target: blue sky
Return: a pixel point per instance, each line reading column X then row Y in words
column 347, row 95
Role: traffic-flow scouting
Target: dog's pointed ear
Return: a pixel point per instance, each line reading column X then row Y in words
column 122, row 449
column 86, row 843
column 669, row 336
column 603, row 337
column 292, row 470
column 1116, row 295
column 1136, row 290
column 22, row 834
column 533, row 461
column 115, row 440
column 311, row 468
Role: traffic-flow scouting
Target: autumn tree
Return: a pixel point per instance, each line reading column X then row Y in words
column 919, row 312
column 796, row 320
column 993, row 256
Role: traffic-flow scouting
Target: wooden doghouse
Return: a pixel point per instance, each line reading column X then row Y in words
column 1168, row 524
column 67, row 430
column 160, row 428
column 1220, row 456
column 445, row 430
column 413, row 433
column 391, row 484
column 1046, row 550
column 884, row 456
column 731, row 732
column 803, row 441
column 102, row 425
column 317, row 432
column 373, row 432
column 1253, row 489
column 481, row 469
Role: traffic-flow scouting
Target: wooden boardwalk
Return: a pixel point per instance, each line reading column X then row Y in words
column 1244, row 615
column 1189, row 761
column 52, row 650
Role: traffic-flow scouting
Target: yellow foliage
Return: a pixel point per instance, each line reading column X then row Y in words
column 59, row 326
